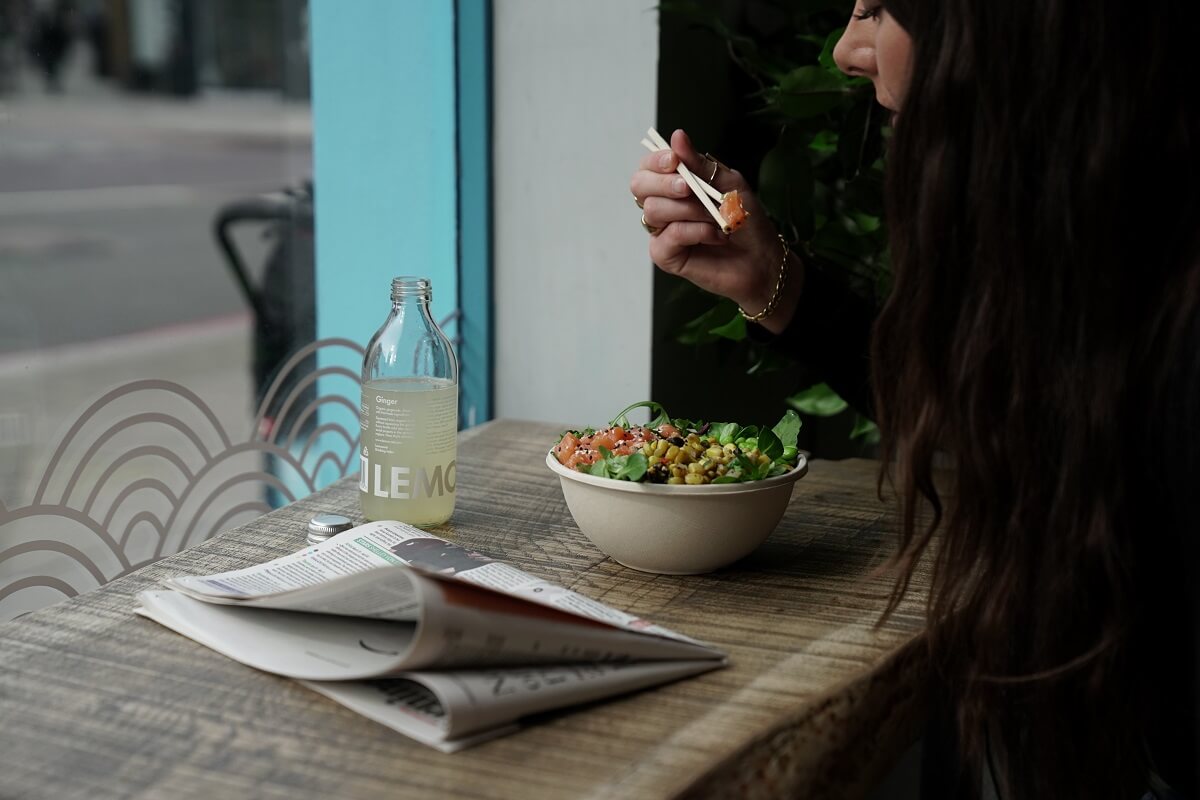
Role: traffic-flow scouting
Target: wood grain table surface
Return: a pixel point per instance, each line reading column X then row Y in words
column 817, row 701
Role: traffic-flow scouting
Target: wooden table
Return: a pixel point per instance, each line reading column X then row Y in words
column 97, row 703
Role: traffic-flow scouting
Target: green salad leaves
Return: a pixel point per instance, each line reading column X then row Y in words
column 777, row 443
column 622, row 468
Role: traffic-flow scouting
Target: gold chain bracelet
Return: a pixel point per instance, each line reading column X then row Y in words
column 778, row 293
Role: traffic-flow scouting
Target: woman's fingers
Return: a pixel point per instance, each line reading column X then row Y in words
column 645, row 184
column 663, row 161
column 657, row 176
column 672, row 246
column 724, row 180
column 681, row 143
column 662, row 211
column 685, row 241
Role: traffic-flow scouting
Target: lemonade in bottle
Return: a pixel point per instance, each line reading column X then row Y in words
column 409, row 414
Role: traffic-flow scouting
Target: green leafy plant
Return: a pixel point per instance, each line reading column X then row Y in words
column 820, row 400
column 821, row 182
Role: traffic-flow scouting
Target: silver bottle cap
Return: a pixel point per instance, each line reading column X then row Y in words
column 322, row 526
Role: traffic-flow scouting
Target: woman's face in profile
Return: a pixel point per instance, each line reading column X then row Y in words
column 875, row 46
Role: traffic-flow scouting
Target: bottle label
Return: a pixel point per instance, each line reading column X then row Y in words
column 409, row 444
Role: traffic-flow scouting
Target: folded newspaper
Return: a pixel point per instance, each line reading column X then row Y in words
column 424, row 636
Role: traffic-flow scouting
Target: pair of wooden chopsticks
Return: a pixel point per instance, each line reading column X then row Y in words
column 702, row 190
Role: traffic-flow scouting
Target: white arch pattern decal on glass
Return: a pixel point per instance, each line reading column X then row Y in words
column 91, row 527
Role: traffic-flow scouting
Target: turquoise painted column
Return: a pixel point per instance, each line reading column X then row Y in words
column 474, row 35
column 385, row 156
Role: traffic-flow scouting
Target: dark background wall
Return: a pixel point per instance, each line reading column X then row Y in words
column 702, row 90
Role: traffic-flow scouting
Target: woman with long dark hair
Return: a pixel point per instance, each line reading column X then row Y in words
column 1042, row 339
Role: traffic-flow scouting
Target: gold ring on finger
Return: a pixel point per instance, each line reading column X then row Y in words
column 650, row 229
column 716, row 165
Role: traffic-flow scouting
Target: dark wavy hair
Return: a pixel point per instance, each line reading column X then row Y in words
column 1041, row 341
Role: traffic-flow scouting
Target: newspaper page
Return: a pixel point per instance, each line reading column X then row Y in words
column 350, row 552
column 457, row 625
column 454, row 710
column 288, row 582
column 367, row 616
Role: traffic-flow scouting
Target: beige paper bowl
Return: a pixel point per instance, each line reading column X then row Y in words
column 675, row 530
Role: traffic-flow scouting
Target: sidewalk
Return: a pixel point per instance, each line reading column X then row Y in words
column 88, row 103
column 242, row 114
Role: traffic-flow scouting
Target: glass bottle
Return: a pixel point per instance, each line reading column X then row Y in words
column 409, row 414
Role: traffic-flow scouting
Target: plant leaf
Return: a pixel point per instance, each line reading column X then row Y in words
column 865, row 429
column 806, row 92
column 865, row 222
column 818, row 401
column 768, row 360
column 734, row 329
column 699, row 329
column 826, row 57
column 785, row 184
column 824, row 142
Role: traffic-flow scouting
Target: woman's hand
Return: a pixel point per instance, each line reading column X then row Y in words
column 743, row 266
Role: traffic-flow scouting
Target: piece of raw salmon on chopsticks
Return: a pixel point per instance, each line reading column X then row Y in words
column 729, row 215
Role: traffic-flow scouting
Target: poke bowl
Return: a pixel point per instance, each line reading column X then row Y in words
column 625, row 502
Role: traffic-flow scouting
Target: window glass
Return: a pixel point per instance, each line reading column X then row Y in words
column 156, row 252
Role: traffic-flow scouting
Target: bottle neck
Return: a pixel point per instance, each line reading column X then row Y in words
column 411, row 292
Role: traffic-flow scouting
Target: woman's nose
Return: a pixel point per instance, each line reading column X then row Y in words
column 854, row 53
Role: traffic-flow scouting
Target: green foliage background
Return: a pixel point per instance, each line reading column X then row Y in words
column 821, row 180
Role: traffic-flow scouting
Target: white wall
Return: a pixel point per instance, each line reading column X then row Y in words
column 574, row 91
